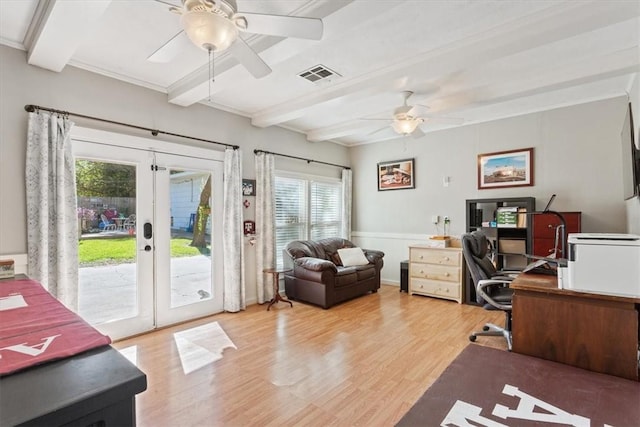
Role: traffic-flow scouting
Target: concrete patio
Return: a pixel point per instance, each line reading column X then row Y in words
column 109, row 292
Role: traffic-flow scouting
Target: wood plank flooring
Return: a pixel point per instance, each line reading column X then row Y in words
column 364, row 362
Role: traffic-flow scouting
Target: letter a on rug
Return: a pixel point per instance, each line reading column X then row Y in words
column 488, row 387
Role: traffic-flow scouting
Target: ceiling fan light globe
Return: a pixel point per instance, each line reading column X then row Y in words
column 208, row 30
column 405, row 126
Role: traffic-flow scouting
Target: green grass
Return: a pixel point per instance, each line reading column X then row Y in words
column 121, row 250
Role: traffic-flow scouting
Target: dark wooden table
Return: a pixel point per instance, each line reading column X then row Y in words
column 98, row 386
column 276, row 285
column 591, row 331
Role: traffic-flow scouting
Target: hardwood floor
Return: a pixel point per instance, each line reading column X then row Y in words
column 363, row 362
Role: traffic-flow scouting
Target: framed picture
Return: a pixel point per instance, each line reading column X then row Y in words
column 502, row 169
column 248, row 187
column 396, row 175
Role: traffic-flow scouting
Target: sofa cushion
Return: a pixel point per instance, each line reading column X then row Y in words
column 334, row 258
column 299, row 249
column 315, row 264
column 365, row 272
column 346, row 276
column 352, row 257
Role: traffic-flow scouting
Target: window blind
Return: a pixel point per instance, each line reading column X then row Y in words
column 305, row 209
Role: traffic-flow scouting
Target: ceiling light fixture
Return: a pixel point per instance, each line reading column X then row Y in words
column 406, row 125
column 209, row 30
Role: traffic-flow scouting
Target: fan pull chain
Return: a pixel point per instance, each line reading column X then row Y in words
column 211, row 70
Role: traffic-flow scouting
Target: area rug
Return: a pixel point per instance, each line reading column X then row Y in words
column 489, row 387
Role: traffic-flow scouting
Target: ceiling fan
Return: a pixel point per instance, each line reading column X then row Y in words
column 406, row 121
column 214, row 25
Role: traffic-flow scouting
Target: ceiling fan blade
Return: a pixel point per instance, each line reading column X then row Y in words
column 284, row 26
column 170, row 49
column 418, row 133
column 249, row 58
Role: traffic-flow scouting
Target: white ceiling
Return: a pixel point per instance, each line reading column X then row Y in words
column 475, row 60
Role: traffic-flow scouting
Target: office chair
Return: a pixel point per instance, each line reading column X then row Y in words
column 492, row 287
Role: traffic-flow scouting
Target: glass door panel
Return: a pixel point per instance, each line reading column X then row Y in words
column 188, row 235
column 115, row 287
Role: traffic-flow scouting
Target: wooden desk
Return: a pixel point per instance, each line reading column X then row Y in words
column 590, row 331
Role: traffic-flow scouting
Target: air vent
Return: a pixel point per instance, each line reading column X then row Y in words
column 318, row 73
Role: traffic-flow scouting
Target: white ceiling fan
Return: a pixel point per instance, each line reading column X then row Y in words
column 406, row 120
column 214, row 25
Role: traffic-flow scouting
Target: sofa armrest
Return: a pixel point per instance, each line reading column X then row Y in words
column 315, row 264
column 372, row 255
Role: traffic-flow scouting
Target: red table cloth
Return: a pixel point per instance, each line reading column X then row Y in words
column 36, row 328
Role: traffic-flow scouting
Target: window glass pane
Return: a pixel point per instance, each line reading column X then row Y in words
column 325, row 209
column 306, row 209
column 290, row 201
column 291, row 213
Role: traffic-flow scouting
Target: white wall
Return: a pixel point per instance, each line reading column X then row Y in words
column 87, row 93
column 577, row 156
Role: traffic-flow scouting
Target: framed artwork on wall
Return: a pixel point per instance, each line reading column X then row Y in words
column 248, row 187
column 502, row 169
column 396, row 175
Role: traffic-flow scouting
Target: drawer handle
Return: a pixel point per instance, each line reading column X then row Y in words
column 446, row 258
column 421, row 271
column 446, row 274
column 550, row 226
column 421, row 257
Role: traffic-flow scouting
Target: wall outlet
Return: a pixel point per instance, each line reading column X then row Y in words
column 435, row 219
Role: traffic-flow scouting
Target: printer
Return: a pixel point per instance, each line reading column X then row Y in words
column 604, row 263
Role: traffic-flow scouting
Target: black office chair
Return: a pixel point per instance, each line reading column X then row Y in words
column 492, row 287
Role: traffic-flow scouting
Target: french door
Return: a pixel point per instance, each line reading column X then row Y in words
column 152, row 253
column 187, row 187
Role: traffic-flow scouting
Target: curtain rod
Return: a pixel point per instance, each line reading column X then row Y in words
column 300, row 158
column 34, row 108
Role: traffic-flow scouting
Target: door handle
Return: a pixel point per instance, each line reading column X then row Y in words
column 147, row 248
column 148, row 230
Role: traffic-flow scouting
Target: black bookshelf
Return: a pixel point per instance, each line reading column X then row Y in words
column 479, row 211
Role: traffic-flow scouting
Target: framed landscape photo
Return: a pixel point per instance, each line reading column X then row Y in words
column 248, row 187
column 396, row 175
column 502, row 169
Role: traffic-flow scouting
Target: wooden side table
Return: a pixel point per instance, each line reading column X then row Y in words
column 276, row 282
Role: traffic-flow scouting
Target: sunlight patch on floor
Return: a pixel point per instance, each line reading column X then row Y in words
column 201, row 346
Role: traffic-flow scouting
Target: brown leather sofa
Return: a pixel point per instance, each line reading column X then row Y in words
column 315, row 278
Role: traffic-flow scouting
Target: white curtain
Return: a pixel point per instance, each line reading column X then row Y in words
column 265, row 225
column 52, row 223
column 233, row 244
column 347, row 177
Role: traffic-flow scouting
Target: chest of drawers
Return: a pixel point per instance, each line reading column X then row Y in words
column 436, row 272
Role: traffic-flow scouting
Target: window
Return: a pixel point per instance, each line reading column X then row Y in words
column 306, row 208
